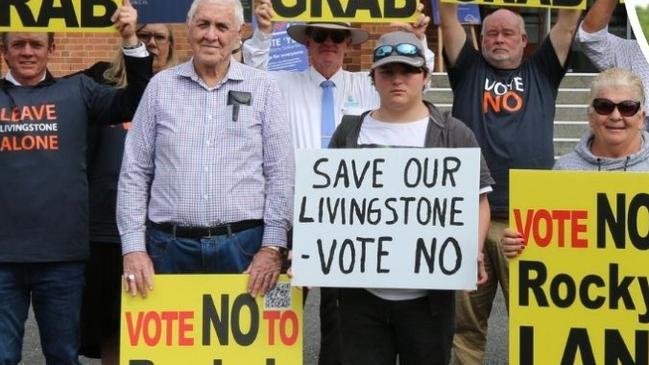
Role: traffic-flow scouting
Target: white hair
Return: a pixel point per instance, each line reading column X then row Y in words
column 618, row 77
column 236, row 4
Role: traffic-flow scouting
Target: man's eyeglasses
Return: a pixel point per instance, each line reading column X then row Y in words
column 158, row 38
column 627, row 108
column 320, row 35
column 402, row 49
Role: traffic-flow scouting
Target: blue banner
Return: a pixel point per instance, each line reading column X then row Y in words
column 466, row 13
column 285, row 53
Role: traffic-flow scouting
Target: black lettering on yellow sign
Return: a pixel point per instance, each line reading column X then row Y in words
column 91, row 14
column 621, row 220
column 544, row 3
column 228, row 321
column 579, row 348
column 613, row 291
column 297, row 8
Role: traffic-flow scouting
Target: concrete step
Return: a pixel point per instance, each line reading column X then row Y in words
column 562, row 147
column 570, row 129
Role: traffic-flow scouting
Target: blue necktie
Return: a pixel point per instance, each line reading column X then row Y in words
column 328, row 125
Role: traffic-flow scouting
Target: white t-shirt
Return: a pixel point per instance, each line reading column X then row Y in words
column 410, row 134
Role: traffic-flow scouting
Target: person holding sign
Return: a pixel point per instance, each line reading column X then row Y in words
column 417, row 325
column 44, row 242
column 317, row 98
column 509, row 104
column 617, row 140
column 206, row 184
column 606, row 50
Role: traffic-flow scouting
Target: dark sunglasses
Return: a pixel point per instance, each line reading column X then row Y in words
column 402, row 49
column 627, row 108
column 146, row 37
column 320, row 35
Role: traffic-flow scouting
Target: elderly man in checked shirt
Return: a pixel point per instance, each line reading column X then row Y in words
column 210, row 153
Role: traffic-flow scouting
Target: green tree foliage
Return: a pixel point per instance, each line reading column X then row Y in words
column 643, row 17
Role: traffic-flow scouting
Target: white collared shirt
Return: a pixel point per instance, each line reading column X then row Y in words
column 353, row 92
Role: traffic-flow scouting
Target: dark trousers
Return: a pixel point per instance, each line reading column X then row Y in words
column 330, row 341
column 55, row 291
column 374, row 331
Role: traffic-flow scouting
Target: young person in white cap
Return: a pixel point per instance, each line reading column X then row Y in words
column 316, row 99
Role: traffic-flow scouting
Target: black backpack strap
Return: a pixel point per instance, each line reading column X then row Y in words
column 348, row 124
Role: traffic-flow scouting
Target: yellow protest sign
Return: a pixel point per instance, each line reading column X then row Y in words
column 368, row 11
column 211, row 319
column 554, row 4
column 57, row 15
column 579, row 292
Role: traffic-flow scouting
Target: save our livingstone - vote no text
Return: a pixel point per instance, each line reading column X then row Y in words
column 366, row 213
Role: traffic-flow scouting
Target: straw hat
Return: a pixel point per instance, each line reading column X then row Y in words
column 298, row 31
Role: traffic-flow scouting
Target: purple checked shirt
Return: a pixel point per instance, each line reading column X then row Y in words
column 195, row 166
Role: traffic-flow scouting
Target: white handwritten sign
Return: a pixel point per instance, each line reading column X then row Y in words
column 386, row 218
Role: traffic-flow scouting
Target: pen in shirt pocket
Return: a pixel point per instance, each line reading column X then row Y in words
column 237, row 98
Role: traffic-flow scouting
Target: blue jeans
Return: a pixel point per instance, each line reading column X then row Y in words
column 55, row 290
column 218, row 254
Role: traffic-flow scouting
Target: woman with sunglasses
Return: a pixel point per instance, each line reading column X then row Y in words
column 617, row 140
column 100, row 308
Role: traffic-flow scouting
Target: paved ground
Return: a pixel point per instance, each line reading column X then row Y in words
column 496, row 346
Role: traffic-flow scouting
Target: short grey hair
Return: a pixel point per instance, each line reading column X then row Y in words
column 618, row 77
column 521, row 21
column 236, row 4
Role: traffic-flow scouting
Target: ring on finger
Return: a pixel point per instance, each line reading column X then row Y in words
column 130, row 277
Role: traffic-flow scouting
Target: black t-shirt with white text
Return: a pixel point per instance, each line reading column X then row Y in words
column 511, row 112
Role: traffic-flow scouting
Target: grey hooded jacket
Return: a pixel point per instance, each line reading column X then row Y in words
column 583, row 159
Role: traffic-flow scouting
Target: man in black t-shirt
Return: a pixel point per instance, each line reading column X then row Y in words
column 509, row 103
column 44, row 195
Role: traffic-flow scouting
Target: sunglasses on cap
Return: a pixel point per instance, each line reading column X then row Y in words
column 320, row 35
column 627, row 108
column 402, row 49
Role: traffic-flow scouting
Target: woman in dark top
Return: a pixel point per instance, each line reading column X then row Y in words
column 100, row 312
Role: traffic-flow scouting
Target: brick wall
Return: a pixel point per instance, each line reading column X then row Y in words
column 77, row 51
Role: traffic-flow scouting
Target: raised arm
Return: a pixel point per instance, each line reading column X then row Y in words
column 599, row 15
column 453, row 34
column 418, row 28
column 110, row 105
column 562, row 33
column 256, row 49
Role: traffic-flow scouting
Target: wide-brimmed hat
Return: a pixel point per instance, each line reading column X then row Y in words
column 395, row 39
column 298, row 31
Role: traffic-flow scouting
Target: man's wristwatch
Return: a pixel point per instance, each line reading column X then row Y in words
column 279, row 249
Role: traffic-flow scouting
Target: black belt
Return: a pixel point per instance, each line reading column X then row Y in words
column 199, row 232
